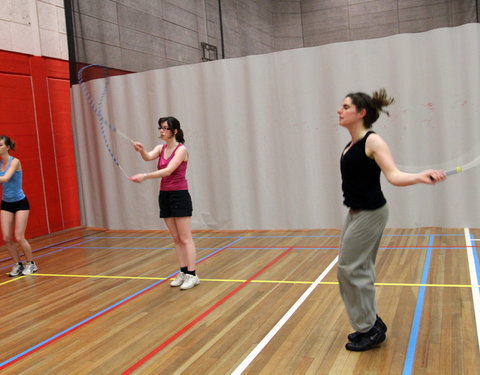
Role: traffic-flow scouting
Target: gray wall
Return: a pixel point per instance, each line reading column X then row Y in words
column 330, row 21
column 34, row 27
column 139, row 35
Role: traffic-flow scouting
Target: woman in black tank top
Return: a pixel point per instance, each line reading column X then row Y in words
column 362, row 161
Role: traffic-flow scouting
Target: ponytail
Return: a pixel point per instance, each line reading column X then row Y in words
column 179, row 136
column 380, row 99
column 373, row 105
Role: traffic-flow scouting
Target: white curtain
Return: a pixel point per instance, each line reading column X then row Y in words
column 264, row 141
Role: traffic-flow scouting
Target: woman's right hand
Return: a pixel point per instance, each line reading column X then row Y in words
column 138, row 147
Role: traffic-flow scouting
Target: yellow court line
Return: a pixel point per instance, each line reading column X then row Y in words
column 242, row 281
column 12, row 280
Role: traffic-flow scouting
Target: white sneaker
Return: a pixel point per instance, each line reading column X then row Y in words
column 30, row 268
column 190, row 282
column 178, row 280
column 16, row 269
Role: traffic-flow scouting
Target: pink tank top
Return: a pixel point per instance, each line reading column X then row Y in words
column 177, row 180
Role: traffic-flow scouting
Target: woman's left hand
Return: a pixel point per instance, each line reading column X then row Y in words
column 431, row 176
column 137, row 178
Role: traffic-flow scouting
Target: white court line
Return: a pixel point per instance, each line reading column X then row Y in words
column 256, row 351
column 473, row 281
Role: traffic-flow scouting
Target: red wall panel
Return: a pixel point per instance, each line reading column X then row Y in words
column 17, row 63
column 17, row 120
column 45, row 138
column 35, row 113
column 59, row 91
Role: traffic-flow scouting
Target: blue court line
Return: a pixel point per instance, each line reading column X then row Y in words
column 269, row 236
column 224, row 237
column 412, row 343
column 134, row 248
column 141, row 248
column 50, row 253
column 108, row 248
column 137, row 248
column 475, row 255
column 53, row 245
column 157, row 237
column 337, row 247
column 204, row 248
column 423, row 247
column 220, row 249
column 84, row 321
column 449, row 235
column 47, row 246
column 264, row 248
column 52, row 338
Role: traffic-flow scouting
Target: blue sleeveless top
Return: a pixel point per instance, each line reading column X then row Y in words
column 12, row 189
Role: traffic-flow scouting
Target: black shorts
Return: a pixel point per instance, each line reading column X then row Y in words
column 175, row 203
column 21, row 205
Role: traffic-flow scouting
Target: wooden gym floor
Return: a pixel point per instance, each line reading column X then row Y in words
column 268, row 303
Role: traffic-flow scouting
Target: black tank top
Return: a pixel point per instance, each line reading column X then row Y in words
column 360, row 178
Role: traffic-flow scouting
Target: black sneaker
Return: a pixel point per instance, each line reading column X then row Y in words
column 356, row 335
column 367, row 340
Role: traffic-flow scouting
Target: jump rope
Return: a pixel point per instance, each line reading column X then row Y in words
column 103, row 122
column 464, row 167
column 97, row 108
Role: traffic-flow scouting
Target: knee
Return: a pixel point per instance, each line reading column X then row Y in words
column 176, row 240
column 344, row 272
column 7, row 238
column 183, row 240
column 19, row 237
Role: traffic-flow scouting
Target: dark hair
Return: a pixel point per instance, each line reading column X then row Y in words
column 371, row 104
column 173, row 124
column 8, row 142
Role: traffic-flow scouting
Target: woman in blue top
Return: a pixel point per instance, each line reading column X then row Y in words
column 14, row 209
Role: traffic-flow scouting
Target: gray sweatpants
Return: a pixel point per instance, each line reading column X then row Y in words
column 360, row 240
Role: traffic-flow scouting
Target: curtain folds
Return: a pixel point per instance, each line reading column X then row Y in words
column 263, row 136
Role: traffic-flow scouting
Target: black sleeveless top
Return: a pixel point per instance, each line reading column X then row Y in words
column 360, row 178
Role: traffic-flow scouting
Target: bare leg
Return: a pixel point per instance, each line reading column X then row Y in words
column 172, row 228
column 21, row 220
column 7, row 220
column 184, row 230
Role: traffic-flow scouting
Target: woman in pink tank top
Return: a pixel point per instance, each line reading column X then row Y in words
column 174, row 199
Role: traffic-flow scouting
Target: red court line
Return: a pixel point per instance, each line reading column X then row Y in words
column 93, row 318
column 202, row 315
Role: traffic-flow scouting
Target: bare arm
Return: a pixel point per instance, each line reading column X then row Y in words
column 378, row 149
column 180, row 156
column 147, row 156
column 14, row 166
